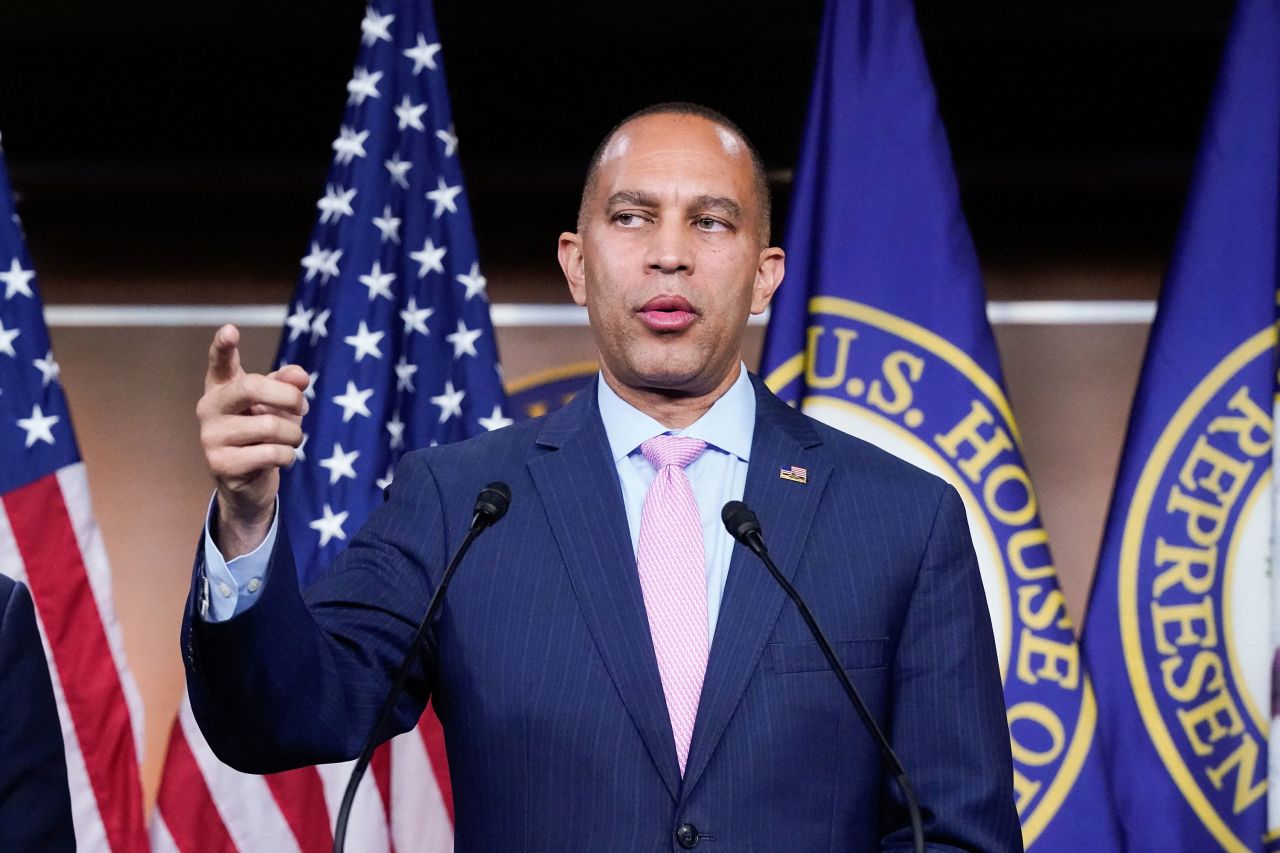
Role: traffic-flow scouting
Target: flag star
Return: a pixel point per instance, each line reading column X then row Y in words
column 383, row 482
column 388, row 225
column 410, row 114
column 449, row 139
column 38, row 426
column 299, row 322
column 299, row 452
column 415, row 318
column 423, row 55
column 363, row 85
column 365, row 342
column 464, row 340
column 314, row 262
column 349, row 145
column 473, row 281
column 6, row 339
column 17, row 280
column 398, row 169
column 329, row 269
column 429, row 258
column 319, row 329
column 340, row 464
column 395, row 426
column 310, row 391
column 450, row 402
column 336, row 203
column 378, row 282
column 48, row 368
column 330, row 526
column 374, row 27
column 404, row 374
column 443, row 195
column 353, row 402
column 495, row 421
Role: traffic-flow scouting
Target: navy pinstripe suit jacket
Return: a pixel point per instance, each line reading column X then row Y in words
column 544, row 677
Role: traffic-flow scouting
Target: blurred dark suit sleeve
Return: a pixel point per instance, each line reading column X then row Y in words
column 35, row 804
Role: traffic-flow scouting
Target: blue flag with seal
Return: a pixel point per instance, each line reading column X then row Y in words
column 1179, row 634
column 880, row 330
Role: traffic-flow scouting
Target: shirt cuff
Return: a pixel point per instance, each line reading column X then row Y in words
column 230, row 588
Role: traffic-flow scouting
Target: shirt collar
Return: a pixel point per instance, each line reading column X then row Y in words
column 729, row 424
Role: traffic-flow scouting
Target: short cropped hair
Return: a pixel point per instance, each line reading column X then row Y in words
column 685, row 108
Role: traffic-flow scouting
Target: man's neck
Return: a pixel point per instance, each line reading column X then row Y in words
column 674, row 410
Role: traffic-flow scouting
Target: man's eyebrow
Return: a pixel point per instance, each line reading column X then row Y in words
column 725, row 205
column 639, row 198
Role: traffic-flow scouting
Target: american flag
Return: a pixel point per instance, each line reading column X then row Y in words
column 391, row 320
column 49, row 540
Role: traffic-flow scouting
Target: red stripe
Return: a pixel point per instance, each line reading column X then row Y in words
column 381, row 769
column 300, row 796
column 81, row 655
column 433, row 739
column 185, row 802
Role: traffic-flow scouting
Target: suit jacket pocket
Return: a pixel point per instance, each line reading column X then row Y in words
column 807, row 656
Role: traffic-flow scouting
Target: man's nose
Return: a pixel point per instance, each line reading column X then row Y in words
column 670, row 250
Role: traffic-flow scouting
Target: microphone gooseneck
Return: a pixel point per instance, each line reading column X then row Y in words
column 743, row 526
column 491, row 505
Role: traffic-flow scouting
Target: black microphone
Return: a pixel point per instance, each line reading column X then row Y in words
column 491, row 505
column 743, row 526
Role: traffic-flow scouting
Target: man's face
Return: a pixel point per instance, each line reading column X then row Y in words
column 669, row 260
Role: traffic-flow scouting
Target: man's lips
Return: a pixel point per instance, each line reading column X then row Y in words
column 668, row 313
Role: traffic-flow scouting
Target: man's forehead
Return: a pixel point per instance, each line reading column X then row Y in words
column 662, row 126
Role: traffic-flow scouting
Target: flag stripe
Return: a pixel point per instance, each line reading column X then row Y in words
column 185, row 799
column 74, row 481
column 69, row 613
column 380, row 769
column 300, row 796
column 245, row 802
column 433, row 740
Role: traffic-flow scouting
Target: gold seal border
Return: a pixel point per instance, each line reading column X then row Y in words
column 1072, row 763
column 554, row 374
column 1130, row 548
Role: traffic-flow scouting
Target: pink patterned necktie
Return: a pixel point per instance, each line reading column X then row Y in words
column 673, row 578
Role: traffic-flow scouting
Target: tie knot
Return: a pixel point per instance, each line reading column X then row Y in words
column 678, row 450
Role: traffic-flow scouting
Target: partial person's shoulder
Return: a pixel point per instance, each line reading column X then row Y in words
column 515, row 439
column 7, row 588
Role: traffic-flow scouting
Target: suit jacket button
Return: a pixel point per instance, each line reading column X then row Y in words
column 687, row 835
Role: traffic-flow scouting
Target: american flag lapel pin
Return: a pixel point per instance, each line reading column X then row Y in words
column 795, row 474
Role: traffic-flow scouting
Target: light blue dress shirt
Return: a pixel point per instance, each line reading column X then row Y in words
column 719, row 475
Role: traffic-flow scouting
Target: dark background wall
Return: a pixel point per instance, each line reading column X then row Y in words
column 206, row 127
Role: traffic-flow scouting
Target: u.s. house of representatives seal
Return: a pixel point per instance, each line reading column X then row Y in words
column 1194, row 590
column 915, row 394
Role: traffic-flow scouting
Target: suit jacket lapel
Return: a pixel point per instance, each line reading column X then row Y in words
column 752, row 599
column 578, row 484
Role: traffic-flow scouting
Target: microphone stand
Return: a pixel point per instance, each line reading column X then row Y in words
column 491, row 505
column 743, row 526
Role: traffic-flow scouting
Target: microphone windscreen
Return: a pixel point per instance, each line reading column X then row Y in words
column 739, row 520
column 493, row 501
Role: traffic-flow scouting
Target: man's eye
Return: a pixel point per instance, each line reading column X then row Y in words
column 706, row 223
column 629, row 220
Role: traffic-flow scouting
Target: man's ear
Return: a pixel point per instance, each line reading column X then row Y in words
column 769, row 272
column 572, row 262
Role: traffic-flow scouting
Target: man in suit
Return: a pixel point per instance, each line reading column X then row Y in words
column 612, row 672
column 35, row 804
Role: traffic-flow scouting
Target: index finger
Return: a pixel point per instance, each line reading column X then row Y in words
column 224, row 356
